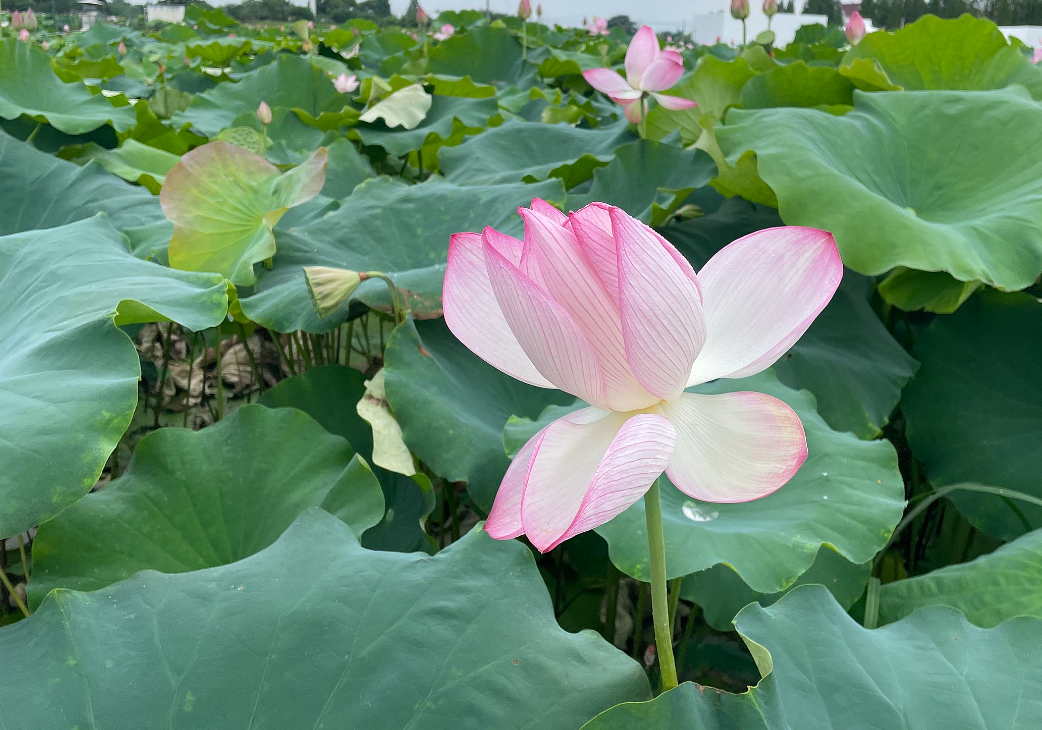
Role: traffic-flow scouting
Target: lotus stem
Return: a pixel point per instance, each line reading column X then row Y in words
column 398, row 306
column 659, row 599
column 13, row 593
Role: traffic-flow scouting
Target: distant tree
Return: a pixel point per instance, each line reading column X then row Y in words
column 829, row 8
column 409, row 19
column 624, row 22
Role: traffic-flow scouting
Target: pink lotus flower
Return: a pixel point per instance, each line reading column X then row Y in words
column 599, row 26
column 739, row 9
column 446, row 31
column 264, row 113
column 648, row 71
column 599, row 305
column 1037, row 55
column 855, row 28
column 524, row 9
column 23, row 35
column 345, row 84
column 17, row 21
column 66, row 28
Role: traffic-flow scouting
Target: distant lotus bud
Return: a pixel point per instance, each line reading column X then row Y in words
column 66, row 28
column 855, row 28
column 23, row 35
column 421, row 17
column 17, row 22
column 122, row 48
column 1037, row 55
column 187, row 61
column 330, row 287
column 345, row 84
column 539, row 11
column 770, row 7
column 739, row 9
column 29, row 19
column 524, row 10
column 264, row 113
column 311, row 25
column 45, row 45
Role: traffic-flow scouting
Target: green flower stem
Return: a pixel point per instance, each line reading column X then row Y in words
column 659, row 601
column 398, row 306
column 13, row 593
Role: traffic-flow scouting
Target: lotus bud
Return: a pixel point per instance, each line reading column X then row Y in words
column 66, row 28
column 17, row 22
column 739, row 9
column 345, row 84
column 855, row 28
column 45, row 45
column 770, row 8
column 524, row 9
column 330, row 287
column 539, row 12
column 29, row 19
column 421, row 17
column 122, row 48
column 264, row 113
column 23, row 35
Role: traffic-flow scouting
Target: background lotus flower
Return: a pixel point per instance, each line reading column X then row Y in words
column 524, row 9
column 770, row 8
column 121, row 49
column 446, row 31
column 599, row 26
column 597, row 304
column 739, row 9
column 648, row 71
column 29, row 20
column 421, row 17
column 345, row 84
column 17, row 21
column 1037, row 55
column 23, row 35
column 855, row 28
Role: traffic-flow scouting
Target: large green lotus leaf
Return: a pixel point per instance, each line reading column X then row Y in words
column 68, row 375
column 797, row 84
column 135, row 162
column 884, row 180
column 28, row 85
column 198, row 499
column 940, row 53
column 973, row 410
column 291, row 82
column 520, row 151
column 41, row 191
column 452, row 405
column 386, row 225
column 932, row 671
column 847, row 359
column 448, row 114
column 722, row 594
column 649, row 180
column 848, row 495
column 224, row 201
column 485, row 54
column 934, row 291
column 316, row 631
column 221, row 51
column 716, row 84
column 405, row 108
column 988, row 590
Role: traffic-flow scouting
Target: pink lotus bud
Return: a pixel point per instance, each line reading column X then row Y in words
column 23, row 35
column 29, row 19
column 187, row 61
column 45, row 45
column 539, row 11
column 421, row 17
column 739, row 9
column 1037, row 55
column 311, row 25
column 17, row 22
column 345, row 84
column 855, row 28
column 524, row 10
column 264, row 113
column 121, row 48
column 770, row 7
column 66, row 28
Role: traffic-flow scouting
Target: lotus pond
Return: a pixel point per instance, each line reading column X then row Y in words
column 272, row 334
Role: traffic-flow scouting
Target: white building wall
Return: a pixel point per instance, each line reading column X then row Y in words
column 165, row 13
column 1029, row 35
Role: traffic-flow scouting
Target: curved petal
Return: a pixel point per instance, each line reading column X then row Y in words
column 672, row 56
column 674, row 103
column 504, row 520
column 589, row 466
column 662, row 322
column 541, row 206
column 642, row 52
column 662, row 74
column 607, row 81
column 570, row 279
column 761, row 294
column 546, row 332
column 592, row 228
column 472, row 312
column 733, row 447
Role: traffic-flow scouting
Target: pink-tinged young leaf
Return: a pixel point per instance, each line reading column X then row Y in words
column 504, row 520
column 674, row 103
column 761, row 293
column 546, row 332
column 662, row 322
column 733, row 447
column 661, row 74
column 224, row 201
column 642, row 52
column 570, row 279
column 472, row 312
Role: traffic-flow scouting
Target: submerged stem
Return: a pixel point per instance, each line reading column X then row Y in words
column 659, row 600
